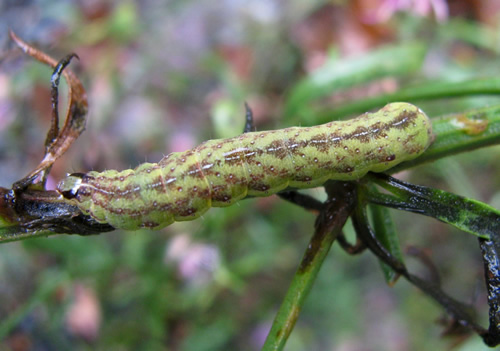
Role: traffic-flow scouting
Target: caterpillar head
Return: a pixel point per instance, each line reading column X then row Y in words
column 69, row 186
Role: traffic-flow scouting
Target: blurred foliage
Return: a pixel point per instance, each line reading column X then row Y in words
column 164, row 76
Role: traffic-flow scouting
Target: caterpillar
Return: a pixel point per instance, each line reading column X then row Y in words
column 183, row 185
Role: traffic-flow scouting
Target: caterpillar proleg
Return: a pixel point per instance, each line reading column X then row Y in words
column 183, row 185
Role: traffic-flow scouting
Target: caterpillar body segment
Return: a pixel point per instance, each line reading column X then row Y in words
column 183, row 185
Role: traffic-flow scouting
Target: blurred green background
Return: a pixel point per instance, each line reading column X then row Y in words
column 163, row 76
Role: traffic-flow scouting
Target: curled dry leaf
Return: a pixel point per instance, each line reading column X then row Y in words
column 57, row 141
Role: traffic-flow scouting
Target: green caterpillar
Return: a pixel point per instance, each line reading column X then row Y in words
column 183, row 185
